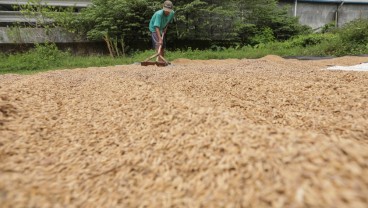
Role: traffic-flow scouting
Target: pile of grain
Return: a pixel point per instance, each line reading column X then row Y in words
column 239, row 133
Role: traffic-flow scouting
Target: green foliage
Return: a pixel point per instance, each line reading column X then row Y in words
column 355, row 32
column 246, row 32
column 257, row 15
column 118, row 22
column 354, row 37
column 121, row 23
column 330, row 27
column 49, row 52
column 285, row 26
column 14, row 34
column 45, row 56
column 265, row 36
column 307, row 40
column 38, row 10
column 258, row 27
column 205, row 19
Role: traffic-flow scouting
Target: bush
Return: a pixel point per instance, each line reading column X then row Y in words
column 246, row 32
column 354, row 37
column 49, row 52
column 330, row 27
column 266, row 36
column 307, row 40
column 355, row 32
column 44, row 56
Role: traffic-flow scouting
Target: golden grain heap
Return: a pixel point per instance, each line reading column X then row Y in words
column 234, row 133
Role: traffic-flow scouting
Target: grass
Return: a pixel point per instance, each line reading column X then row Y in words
column 32, row 62
column 48, row 57
column 35, row 61
column 352, row 39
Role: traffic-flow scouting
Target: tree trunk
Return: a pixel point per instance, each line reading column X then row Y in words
column 116, row 46
column 109, row 46
column 123, row 46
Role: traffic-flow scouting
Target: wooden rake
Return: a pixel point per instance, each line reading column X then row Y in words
column 147, row 62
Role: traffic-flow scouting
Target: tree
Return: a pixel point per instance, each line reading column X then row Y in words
column 122, row 22
column 256, row 16
column 117, row 22
column 204, row 19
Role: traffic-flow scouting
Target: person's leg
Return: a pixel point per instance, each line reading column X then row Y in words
column 155, row 41
column 156, row 45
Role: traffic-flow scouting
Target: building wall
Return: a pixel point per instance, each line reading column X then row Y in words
column 354, row 11
column 316, row 15
column 36, row 35
column 9, row 16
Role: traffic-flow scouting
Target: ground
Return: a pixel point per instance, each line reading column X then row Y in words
column 266, row 132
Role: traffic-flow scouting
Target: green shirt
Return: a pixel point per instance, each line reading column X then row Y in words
column 160, row 20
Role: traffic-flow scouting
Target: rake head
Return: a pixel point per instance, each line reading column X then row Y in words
column 157, row 63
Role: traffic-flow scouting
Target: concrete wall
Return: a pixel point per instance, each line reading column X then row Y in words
column 316, row 15
column 350, row 12
column 13, row 35
column 63, row 3
column 36, row 35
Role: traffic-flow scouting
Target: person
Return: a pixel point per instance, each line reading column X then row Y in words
column 158, row 26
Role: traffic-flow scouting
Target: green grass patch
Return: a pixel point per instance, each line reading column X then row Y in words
column 341, row 42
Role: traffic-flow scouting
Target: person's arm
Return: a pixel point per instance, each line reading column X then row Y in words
column 159, row 35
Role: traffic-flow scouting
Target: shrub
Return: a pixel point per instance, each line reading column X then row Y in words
column 354, row 37
column 45, row 56
column 330, row 27
column 264, row 37
column 308, row 40
column 355, row 32
column 49, row 52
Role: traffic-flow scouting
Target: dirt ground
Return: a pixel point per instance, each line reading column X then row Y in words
column 266, row 132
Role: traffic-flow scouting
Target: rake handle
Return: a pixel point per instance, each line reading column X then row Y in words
column 163, row 36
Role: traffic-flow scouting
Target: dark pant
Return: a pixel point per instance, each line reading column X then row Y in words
column 155, row 41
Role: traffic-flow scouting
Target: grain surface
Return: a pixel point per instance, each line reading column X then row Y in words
column 267, row 132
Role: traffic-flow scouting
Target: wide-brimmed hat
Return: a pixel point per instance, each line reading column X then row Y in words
column 168, row 6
